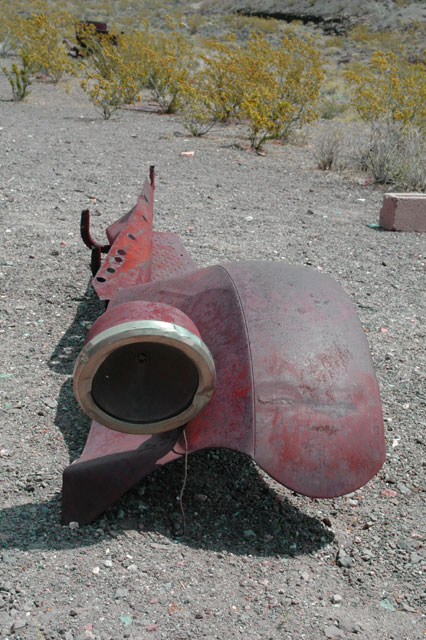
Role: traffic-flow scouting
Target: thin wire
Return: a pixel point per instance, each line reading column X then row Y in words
column 185, row 475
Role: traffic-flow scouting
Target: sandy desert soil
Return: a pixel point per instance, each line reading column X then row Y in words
column 257, row 562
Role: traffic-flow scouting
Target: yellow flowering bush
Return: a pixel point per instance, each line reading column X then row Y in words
column 119, row 67
column 271, row 88
column 116, row 71
column 215, row 90
column 282, row 87
column 222, row 74
column 39, row 37
column 170, row 58
column 198, row 106
column 391, row 88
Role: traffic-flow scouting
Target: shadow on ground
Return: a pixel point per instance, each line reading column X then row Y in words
column 69, row 418
column 228, row 504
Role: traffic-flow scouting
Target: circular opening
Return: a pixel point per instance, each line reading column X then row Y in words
column 121, row 252
column 111, row 270
column 118, row 259
column 131, row 236
column 99, row 279
column 145, row 382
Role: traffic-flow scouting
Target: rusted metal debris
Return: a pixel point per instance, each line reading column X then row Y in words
column 264, row 358
column 86, row 30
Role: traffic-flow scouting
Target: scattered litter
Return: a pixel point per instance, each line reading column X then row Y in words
column 126, row 620
column 374, row 225
column 187, row 154
column 387, row 604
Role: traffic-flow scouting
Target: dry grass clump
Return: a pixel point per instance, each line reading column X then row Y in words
column 395, row 155
column 329, row 148
column 389, row 153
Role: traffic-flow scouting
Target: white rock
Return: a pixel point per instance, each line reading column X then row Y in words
column 336, row 598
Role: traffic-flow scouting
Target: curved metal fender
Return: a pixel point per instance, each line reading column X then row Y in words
column 296, row 387
column 295, row 390
column 319, row 426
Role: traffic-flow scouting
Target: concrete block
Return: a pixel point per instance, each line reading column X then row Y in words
column 403, row 212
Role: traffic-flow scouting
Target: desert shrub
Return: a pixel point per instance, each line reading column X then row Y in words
column 119, row 67
column 395, row 154
column 198, row 107
column 334, row 42
column 367, row 39
column 331, row 109
column 282, row 87
column 6, row 33
column 194, row 22
column 245, row 25
column 391, row 88
column 215, row 89
column 19, row 78
column 328, row 150
column 170, row 58
column 222, row 77
column 273, row 89
column 115, row 71
column 390, row 95
column 39, row 37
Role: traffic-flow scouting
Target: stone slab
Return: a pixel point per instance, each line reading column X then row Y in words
column 403, row 212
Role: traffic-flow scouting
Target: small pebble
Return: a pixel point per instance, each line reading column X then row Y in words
column 336, row 598
column 343, row 559
column 18, row 624
column 333, row 632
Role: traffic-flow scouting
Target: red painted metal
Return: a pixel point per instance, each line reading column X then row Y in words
column 295, row 384
column 129, row 259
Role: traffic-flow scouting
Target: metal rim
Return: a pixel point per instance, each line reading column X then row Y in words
column 102, row 345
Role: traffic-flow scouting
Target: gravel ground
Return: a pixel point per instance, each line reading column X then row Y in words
column 257, row 561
